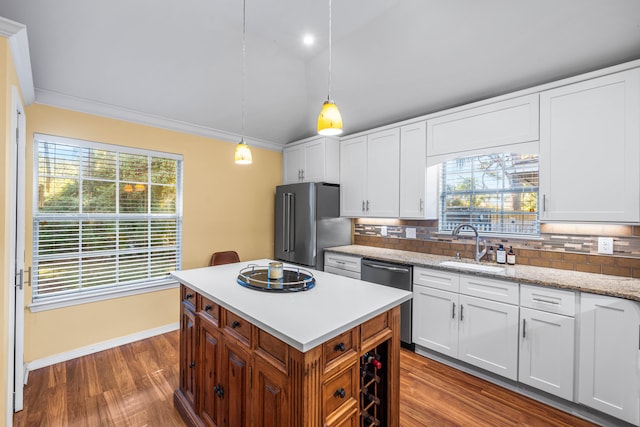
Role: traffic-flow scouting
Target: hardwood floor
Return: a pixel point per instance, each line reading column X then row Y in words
column 433, row 394
column 132, row 385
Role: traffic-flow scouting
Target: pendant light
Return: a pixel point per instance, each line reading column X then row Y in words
column 329, row 120
column 243, row 152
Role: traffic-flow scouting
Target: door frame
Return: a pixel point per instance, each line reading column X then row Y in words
column 15, row 362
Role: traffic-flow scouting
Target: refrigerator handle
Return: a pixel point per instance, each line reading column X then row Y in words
column 285, row 222
column 291, row 244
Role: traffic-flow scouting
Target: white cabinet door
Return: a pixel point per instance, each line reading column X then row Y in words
column 608, row 375
column 311, row 160
column 547, row 352
column 314, row 161
column 435, row 319
column 590, row 150
column 489, row 335
column 418, row 188
column 478, row 129
column 292, row 164
column 353, row 176
column 383, row 174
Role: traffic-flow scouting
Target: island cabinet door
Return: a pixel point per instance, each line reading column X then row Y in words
column 188, row 355
column 270, row 395
column 235, row 385
column 209, row 385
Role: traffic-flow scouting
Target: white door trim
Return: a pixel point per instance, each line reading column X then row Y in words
column 15, row 368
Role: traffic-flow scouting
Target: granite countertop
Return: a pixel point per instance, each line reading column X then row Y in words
column 303, row 320
column 622, row 287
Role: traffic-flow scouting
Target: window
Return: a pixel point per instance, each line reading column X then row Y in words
column 106, row 218
column 496, row 193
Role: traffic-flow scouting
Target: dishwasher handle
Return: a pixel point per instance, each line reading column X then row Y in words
column 386, row 267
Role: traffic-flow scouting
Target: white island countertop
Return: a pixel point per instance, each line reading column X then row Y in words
column 303, row 319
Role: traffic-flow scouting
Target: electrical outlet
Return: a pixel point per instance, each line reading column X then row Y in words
column 605, row 245
column 383, row 230
column 410, row 233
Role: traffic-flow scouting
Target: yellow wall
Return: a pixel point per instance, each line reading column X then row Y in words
column 8, row 78
column 225, row 206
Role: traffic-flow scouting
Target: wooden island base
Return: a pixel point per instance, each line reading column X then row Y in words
column 232, row 373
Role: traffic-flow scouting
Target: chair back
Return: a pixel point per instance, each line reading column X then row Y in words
column 225, row 257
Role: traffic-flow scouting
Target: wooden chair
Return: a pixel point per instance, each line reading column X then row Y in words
column 225, row 257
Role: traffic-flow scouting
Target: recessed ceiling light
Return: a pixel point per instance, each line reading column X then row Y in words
column 308, row 39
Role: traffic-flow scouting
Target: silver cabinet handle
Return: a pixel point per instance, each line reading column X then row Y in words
column 367, row 206
column 461, row 312
column 544, row 203
column 421, row 205
column 363, row 206
column 524, row 328
column 302, row 170
column 453, row 311
column 546, row 301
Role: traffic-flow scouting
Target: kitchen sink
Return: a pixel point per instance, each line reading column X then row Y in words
column 474, row 267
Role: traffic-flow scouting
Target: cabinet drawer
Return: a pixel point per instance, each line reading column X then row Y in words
column 188, row 296
column 436, row 279
column 209, row 309
column 273, row 350
column 340, row 348
column 342, row 262
column 491, row 289
column 340, row 391
column 548, row 299
column 376, row 329
column 341, row 272
column 237, row 327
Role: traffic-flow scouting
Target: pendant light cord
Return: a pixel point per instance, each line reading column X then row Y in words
column 329, row 85
column 244, row 60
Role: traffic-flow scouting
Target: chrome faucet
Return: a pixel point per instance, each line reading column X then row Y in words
column 478, row 255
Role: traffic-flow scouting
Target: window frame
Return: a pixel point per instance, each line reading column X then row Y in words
column 103, row 292
column 479, row 192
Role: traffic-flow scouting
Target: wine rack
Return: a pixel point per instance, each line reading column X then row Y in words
column 373, row 387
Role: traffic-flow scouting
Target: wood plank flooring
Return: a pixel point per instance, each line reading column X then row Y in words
column 132, row 385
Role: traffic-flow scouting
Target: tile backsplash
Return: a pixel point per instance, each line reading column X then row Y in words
column 564, row 246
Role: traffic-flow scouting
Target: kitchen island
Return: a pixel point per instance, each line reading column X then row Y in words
column 325, row 356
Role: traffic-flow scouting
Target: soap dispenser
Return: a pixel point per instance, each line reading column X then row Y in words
column 501, row 255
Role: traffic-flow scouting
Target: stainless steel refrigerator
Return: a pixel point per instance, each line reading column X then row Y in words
column 307, row 221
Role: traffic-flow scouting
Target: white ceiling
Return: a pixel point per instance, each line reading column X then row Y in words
column 392, row 59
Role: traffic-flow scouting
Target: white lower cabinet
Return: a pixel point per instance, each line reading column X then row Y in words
column 344, row 265
column 547, row 340
column 488, row 335
column 479, row 331
column 609, row 356
column 435, row 320
column 547, row 352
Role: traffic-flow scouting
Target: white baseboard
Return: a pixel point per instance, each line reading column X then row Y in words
column 94, row 348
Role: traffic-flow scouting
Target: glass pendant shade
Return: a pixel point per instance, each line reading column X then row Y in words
column 243, row 154
column 329, row 120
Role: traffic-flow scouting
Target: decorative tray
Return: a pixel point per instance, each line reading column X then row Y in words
column 293, row 279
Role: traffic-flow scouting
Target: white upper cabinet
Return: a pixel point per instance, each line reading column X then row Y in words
column 484, row 128
column 370, row 175
column 418, row 185
column 315, row 159
column 590, row 150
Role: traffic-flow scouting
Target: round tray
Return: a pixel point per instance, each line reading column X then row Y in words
column 293, row 279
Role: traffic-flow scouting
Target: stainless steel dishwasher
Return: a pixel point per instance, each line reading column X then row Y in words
column 398, row 276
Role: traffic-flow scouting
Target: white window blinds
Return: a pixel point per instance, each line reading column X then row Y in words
column 104, row 217
column 496, row 193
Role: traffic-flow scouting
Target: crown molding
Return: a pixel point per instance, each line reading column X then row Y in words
column 19, row 45
column 67, row 102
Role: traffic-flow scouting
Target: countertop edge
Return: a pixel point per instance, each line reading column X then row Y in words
column 601, row 284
